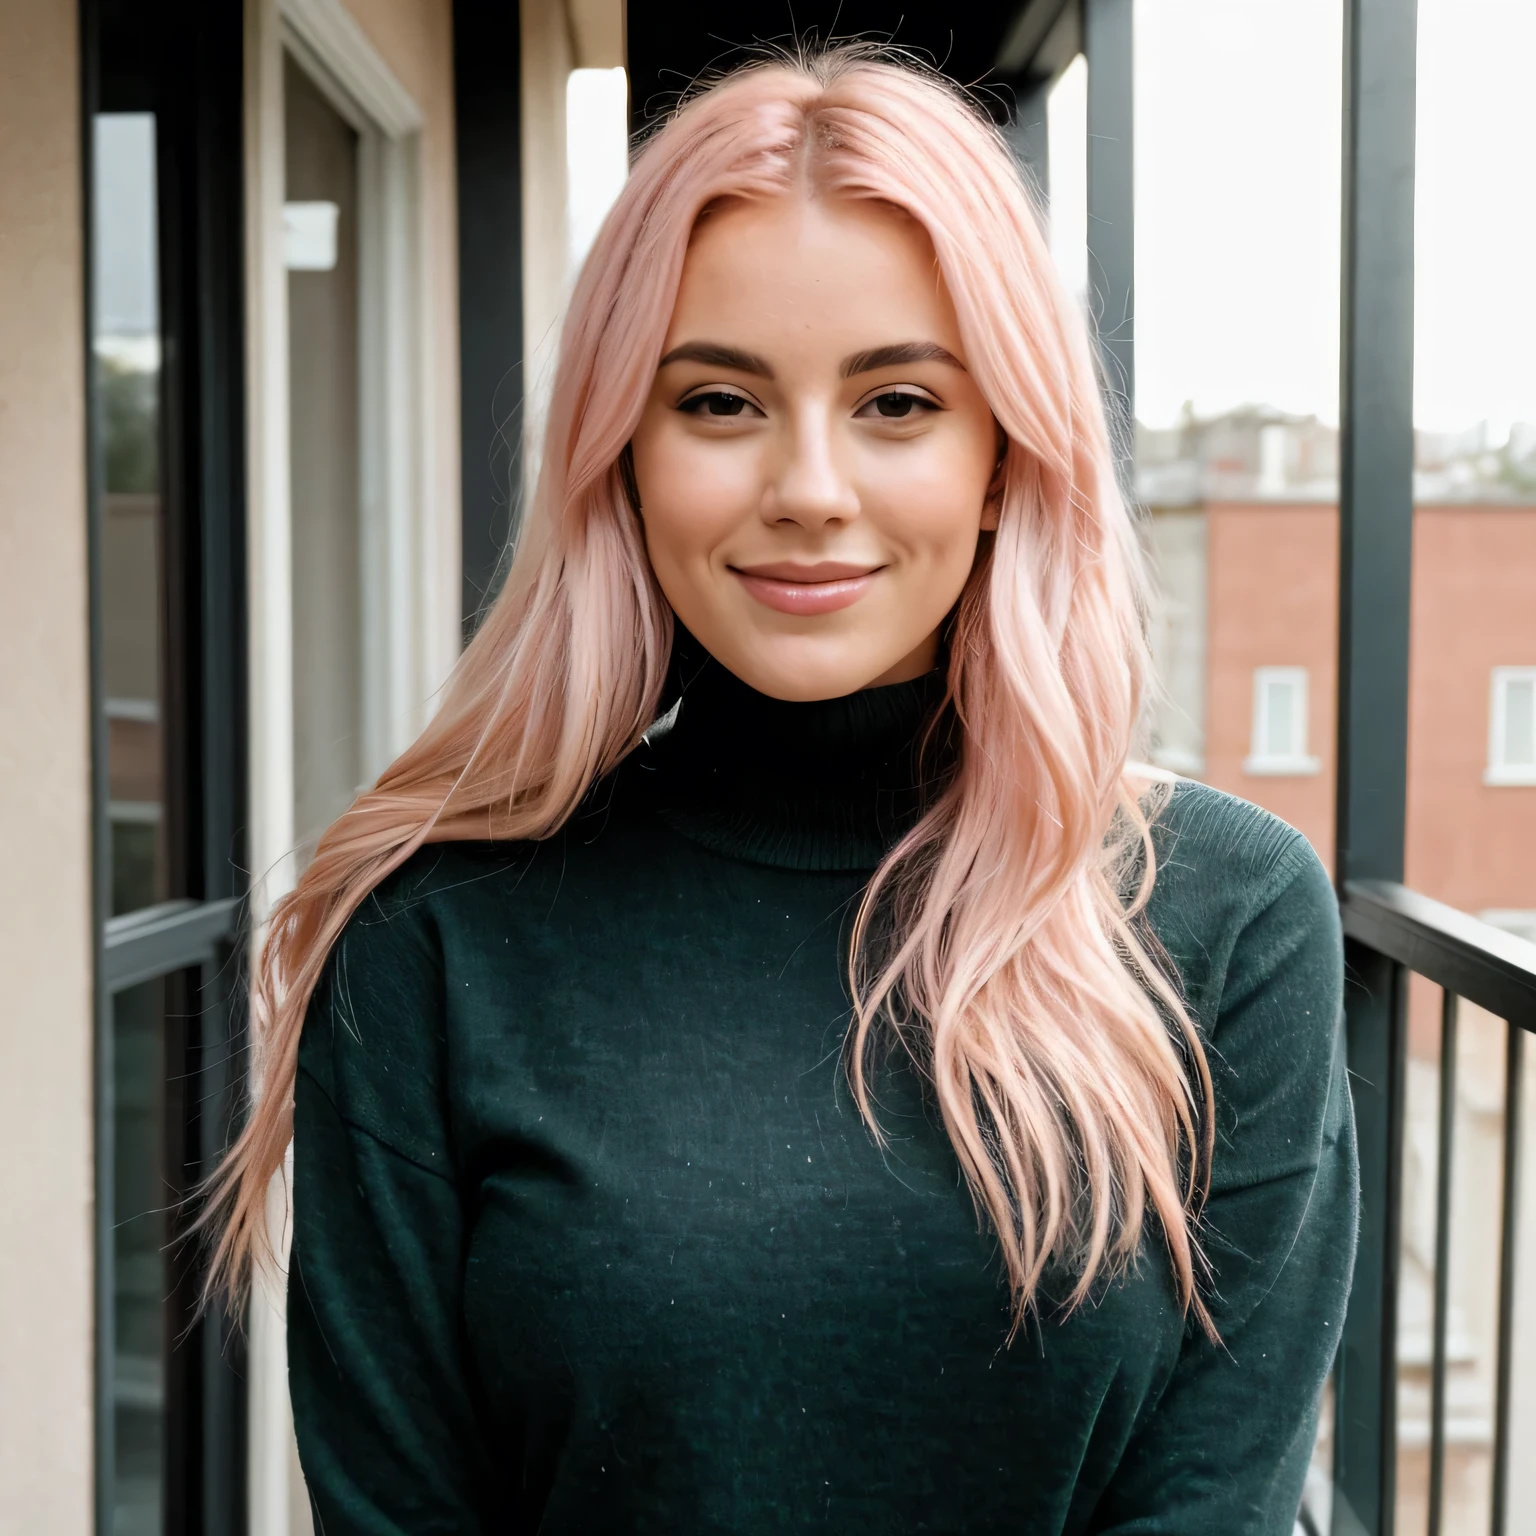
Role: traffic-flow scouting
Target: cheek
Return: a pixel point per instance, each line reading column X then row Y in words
column 691, row 493
column 933, row 500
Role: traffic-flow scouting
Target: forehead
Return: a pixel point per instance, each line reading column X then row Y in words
column 838, row 273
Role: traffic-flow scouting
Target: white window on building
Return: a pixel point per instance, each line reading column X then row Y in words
column 1512, row 727
column 1279, row 745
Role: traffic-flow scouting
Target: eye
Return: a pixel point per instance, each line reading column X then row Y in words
column 718, row 402
column 894, row 405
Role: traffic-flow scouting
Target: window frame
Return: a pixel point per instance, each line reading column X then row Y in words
column 411, row 623
column 1267, row 764
column 1500, row 772
column 395, row 423
column 183, row 64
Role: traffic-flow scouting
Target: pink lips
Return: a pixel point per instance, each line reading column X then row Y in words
column 807, row 589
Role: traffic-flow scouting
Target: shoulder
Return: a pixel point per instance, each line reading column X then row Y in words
column 1248, row 914
column 396, row 930
column 1239, row 895
column 375, row 1029
column 1207, row 833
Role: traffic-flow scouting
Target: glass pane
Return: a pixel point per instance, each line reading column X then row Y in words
column 140, row 1196
column 1281, row 708
column 321, row 251
column 1237, row 317
column 1520, row 724
column 127, row 352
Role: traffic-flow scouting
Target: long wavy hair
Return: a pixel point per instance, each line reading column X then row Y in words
column 999, row 942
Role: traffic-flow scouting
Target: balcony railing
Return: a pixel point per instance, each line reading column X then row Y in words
column 1391, row 933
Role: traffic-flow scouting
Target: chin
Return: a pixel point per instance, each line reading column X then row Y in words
column 801, row 673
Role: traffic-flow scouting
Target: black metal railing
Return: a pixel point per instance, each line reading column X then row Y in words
column 1390, row 933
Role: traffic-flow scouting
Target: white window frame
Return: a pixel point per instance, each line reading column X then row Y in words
column 404, row 587
column 328, row 45
column 1500, row 771
column 401, row 579
column 1277, row 765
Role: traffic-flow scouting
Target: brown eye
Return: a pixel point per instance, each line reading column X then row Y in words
column 895, row 406
column 715, row 403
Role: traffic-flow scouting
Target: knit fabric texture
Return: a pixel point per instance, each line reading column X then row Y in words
column 589, row 1238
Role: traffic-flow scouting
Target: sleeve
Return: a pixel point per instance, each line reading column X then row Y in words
column 382, row 1403
column 1225, row 1449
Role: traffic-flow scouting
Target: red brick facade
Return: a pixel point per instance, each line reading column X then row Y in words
column 1272, row 600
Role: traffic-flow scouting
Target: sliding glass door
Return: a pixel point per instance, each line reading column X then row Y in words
column 162, row 103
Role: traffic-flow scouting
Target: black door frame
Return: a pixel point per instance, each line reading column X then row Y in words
column 183, row 62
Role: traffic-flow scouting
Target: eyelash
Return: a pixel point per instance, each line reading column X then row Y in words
column 918, row 402
column 694, row 405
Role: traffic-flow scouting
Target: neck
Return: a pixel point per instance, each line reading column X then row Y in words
column 828, row 784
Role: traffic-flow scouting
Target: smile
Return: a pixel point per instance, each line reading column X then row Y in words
column 807, row 589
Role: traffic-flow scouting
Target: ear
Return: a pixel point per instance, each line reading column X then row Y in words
column 993, row 505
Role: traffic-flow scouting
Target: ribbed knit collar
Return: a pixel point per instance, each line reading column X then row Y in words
column 825, row 785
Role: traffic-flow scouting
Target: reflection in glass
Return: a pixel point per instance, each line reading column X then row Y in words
column 140, row 1196
column 126, row 345
column 325, row 452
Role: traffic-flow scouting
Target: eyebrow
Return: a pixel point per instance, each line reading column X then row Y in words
column 898, row 355
column 714, row 354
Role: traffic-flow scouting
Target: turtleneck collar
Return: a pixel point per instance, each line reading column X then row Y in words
column 825, row 785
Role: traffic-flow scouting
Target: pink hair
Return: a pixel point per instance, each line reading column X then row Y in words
column 998, row 940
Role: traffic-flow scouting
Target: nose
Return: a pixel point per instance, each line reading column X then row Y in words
column 808, row 486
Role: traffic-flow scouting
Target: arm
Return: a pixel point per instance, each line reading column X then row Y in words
column 1225, row 1449
column 387, row 1431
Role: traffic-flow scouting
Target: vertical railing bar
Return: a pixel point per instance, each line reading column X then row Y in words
column 1397, row 1076
column 1514, row 1085
column 1375, row 590
column 1445, row 1162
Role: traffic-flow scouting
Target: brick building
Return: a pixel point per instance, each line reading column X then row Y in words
column 1244, row 526
column 1245, row 532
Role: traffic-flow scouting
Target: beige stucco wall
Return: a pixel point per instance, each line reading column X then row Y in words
column 45, row 914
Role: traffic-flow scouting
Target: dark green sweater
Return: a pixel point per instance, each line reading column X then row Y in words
column 590, row 1239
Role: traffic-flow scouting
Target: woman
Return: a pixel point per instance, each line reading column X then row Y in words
column 803, row 723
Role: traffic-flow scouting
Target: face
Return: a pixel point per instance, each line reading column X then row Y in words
column 814, row 463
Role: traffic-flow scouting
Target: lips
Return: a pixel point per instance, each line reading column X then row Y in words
column 807, row 589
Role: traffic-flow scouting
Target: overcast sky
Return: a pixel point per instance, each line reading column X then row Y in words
column 1237, row 208
column 1237, row 203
